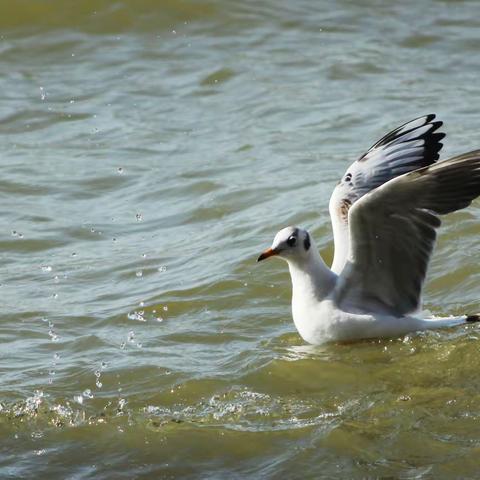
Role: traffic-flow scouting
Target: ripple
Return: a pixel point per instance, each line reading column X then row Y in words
column 30, row 245
column 217, row 77
column 32, row 120
column 420, row 41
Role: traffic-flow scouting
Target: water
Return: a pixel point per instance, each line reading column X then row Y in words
column 149, row 153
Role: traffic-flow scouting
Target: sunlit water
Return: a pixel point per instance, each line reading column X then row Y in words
column 150, row 151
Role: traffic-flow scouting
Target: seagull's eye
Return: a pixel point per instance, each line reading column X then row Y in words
column 292, row 241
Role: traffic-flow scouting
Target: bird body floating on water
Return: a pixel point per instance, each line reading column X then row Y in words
column 385, row 213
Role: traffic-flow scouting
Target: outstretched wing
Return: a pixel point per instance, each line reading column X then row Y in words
column 413, row 145
column 392, row 234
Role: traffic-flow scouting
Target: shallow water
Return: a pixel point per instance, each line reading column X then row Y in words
column 150, row 151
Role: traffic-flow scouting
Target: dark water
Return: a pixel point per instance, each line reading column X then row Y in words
column 150, row 150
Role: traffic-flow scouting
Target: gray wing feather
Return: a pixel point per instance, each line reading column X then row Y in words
column 392, row 234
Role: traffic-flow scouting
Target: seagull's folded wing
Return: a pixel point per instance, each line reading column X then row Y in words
column 409, row 147
column 392, row 234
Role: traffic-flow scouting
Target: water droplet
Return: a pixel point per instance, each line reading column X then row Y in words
column 98, row 384
column 121, row 404
column 122, row 345
column 92, row 230
column 131, row 336
column 56, row 279
column 78, row 399
column 144, row 255
column 103, row 365
column 88, row 393
column 74, row 254
column 56, row 357
column 46, row 268
column 120, row 170
column 54, row 337
column 165, row 308
column 97, row 373
column 139, row 345
column 141, row 304
column 139, row 217
column 139, row 274
column 114, row 239
column 159, row 319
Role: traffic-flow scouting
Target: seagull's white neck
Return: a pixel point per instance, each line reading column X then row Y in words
column 312, row 280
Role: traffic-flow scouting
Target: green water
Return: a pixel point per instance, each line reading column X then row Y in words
column 149, row 151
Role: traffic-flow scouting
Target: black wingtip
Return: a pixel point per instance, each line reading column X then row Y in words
column 436, row 125
column 473, row 318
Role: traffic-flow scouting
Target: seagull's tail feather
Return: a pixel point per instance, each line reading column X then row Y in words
column 453, row 321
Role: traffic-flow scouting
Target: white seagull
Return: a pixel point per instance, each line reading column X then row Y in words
column 384, row 212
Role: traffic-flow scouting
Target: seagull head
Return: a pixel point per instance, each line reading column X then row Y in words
column 290, row 243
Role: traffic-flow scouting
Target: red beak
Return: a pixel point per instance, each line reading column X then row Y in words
column 267, row 253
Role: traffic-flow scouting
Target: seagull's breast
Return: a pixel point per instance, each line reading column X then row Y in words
column 314, row 320
column 319, row 322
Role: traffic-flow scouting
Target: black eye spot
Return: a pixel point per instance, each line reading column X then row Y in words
column 306, row 242
column 291, row 242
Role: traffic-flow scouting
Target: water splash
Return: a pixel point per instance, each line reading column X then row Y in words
column 137, row 315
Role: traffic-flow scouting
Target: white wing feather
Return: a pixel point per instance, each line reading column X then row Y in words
column 413, row 145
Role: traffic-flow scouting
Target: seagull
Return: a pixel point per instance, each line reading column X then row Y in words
column 385, row 213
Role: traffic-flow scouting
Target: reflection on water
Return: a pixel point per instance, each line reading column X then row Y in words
column 149, row 152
